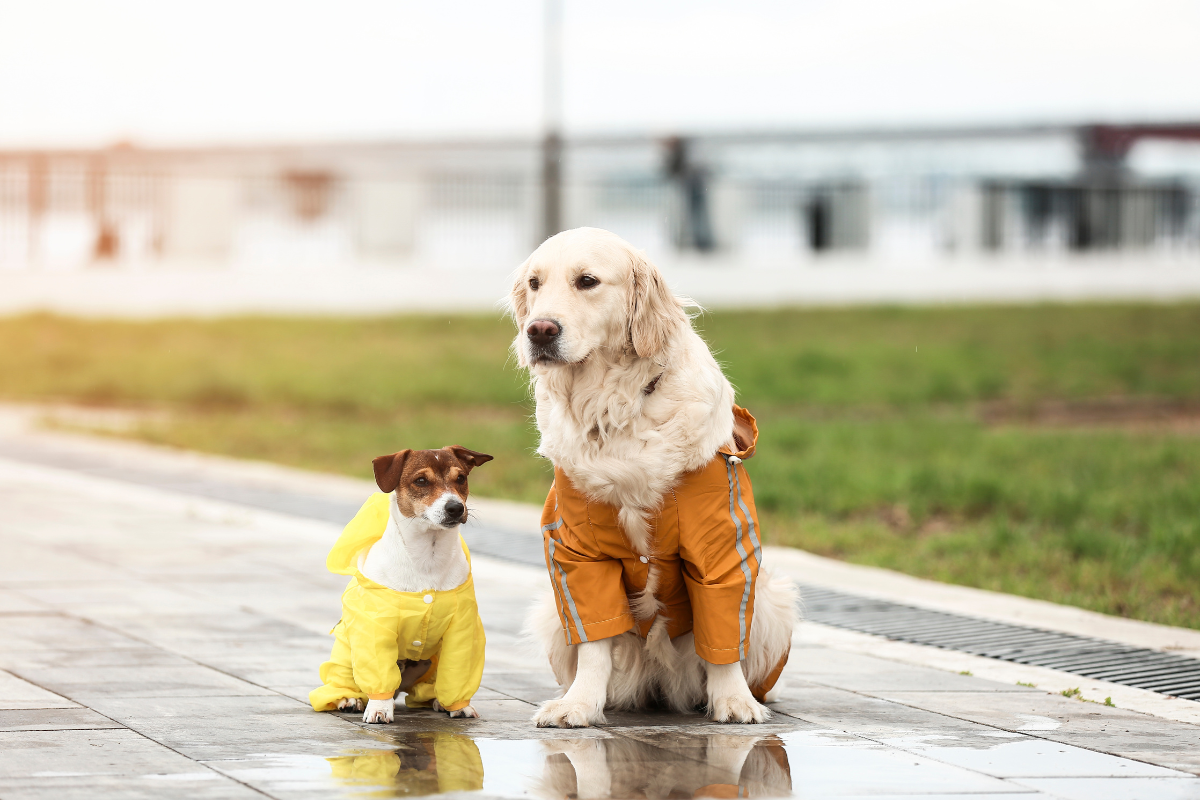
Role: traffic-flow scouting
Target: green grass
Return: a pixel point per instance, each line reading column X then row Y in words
column 873, row 445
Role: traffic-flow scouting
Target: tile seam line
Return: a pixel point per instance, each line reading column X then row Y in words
column 163, row 745
column 61, row 730
column 509, row 696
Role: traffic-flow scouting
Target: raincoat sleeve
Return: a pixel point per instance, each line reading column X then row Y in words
column 372, row 630
column 460, row 662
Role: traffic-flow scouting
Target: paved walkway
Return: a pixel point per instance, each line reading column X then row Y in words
column 156, row 643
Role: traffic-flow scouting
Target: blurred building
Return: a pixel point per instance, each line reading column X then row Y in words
column 776, row 199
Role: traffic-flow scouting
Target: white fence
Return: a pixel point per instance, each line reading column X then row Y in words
column 481, row 208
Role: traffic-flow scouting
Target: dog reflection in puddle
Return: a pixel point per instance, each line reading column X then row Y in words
column 429, row 764
column 667, row 765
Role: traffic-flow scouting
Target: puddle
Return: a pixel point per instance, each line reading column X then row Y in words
column 674, row 763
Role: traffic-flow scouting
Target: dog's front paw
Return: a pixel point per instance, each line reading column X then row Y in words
column 738, row 709
column 565, row 713
column 466, row 712
column 351, row 704
column 379, row 710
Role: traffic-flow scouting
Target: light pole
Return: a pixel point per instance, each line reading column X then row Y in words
column 552, row 144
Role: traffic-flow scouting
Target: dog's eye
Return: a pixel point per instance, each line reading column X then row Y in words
column 462, row 479
column 421, row 482
column 585, row 282
column 534, row 283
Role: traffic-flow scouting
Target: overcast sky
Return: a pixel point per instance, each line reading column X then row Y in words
column 168, row 71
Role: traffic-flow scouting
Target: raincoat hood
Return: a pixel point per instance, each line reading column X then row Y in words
column 364, row 530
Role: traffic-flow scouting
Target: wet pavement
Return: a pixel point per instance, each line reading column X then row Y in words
column 158, row 644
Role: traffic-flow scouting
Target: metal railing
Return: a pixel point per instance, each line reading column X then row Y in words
column 135, row 209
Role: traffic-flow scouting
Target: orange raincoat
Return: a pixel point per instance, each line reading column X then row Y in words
column 706, row 548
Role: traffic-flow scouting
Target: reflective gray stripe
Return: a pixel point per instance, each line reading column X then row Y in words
column 558, row 601
column 567, row 592
column 749, row 519
column 737, row 524
column 553, row 526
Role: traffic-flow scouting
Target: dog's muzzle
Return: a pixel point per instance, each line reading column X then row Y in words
column 544, row 336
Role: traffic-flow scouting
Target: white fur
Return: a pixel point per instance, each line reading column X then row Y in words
column 417, row 554
column 351, row 704
column 628, row 448
column 380, row 710
column 466, row 712
column 583, row 704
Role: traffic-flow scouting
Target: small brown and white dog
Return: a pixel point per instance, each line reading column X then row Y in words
column 629, row 400
column 406, row 539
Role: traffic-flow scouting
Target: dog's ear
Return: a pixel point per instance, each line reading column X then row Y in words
column 469, row 458
column 388, row 470
column 518, row 307
column 654, row 313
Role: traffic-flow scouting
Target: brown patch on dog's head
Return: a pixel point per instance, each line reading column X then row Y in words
column 430, row 481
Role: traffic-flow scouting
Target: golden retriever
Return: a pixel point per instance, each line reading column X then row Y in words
column 629, row 400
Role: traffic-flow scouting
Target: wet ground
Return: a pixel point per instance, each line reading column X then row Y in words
column 154, row 644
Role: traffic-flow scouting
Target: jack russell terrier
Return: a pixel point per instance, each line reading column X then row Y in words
column 409, row 622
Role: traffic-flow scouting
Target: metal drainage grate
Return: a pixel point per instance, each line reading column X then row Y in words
column 1165, row 673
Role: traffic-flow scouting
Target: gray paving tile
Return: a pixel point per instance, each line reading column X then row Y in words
column 208, row 728
column 1125, row 789
column 908, row 679
column 112, row 598
column 435, row 764
column 204, row 784
column 277, row 677
column 532, row 687
column 843, row 710
column 872, row 769
column 503, row 710
column 84, row 683
column 54, row 719
column 1126, row 733
column 1016, row 756
column 298, row 693
column 47, row 631
column 49, row 754
column 16, row 693
column 177, row 629
column 143, row 656
column 1014, row 792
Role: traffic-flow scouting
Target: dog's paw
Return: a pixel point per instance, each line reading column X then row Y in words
column 564, row 713
column 738, row 709
column 466, row 712
column 379, row 710
column 351, row 704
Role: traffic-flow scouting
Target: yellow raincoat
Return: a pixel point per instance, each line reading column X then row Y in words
column 381, row 627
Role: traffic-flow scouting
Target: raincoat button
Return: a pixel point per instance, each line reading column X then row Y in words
column 428, row 599
column 416, row 644
column 645, row 560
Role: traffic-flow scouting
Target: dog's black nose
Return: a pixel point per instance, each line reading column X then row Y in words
column 542, row 332
column 454, row 509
